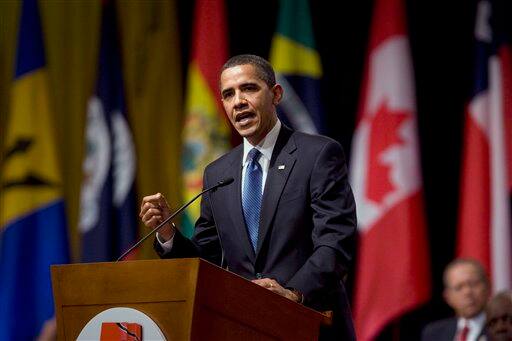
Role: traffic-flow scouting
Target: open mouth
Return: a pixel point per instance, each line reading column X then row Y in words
column 244, row 117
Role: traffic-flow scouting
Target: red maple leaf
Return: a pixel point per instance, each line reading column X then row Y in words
column 384, row 128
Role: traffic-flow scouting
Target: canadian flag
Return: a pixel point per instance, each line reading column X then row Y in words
column 393, row 273
column 484, row 230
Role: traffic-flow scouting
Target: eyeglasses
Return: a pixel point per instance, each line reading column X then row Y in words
column 472, row 284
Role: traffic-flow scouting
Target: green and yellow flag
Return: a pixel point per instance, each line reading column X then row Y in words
column 298, row 68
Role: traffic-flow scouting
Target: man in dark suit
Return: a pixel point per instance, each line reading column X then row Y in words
column 466, row 292
column 288, row 219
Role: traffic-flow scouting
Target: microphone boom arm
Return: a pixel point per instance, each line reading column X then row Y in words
column 166, row 220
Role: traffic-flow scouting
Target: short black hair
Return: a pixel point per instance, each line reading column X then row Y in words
column 263, row 68
column 462, row 261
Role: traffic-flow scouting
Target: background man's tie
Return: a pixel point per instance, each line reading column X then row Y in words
column 251, row 197
column 464, row 333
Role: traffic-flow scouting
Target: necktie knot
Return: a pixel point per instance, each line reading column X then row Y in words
column 464, row 332
column 254, row 155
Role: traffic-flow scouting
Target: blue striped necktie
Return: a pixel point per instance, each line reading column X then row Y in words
column 251, row 196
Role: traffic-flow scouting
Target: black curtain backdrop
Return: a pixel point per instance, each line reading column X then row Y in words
column 441, row 35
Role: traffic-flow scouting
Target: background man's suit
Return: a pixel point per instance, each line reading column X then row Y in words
column 306, row 228
column 443, row 330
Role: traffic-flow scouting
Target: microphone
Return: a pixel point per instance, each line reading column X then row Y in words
column 221, row 183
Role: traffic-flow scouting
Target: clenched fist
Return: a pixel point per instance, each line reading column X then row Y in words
column 153, row 210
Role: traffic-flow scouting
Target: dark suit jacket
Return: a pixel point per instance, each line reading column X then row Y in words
column 442, row 330
column 306, row 227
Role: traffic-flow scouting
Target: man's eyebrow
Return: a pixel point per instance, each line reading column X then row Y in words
column 226, row 90
column 248, row 83
column 245, row 84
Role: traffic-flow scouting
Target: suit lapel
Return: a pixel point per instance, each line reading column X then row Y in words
column 279, row 169
column 234, row 203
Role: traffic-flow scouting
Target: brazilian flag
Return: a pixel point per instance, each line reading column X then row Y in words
column 32, row 214
column 298, row 68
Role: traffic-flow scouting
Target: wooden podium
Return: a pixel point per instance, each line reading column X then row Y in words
column 189, row 299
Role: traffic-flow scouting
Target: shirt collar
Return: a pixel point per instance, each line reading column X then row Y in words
column 266, row 146
column 475, row 323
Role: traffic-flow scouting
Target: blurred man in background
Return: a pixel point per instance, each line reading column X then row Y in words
column 499, row 317
column 466, row 291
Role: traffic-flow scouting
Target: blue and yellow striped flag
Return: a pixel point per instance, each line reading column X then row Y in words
column 32, row 214
column 298, row 68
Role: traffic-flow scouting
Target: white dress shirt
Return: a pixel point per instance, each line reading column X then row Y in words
column 266, row 147
column 475, row 324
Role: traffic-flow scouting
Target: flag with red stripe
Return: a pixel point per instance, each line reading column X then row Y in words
column 484, row 230
column 392, row 271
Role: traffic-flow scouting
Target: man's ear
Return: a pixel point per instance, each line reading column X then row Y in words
column 278, row 94
column 447, row 297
